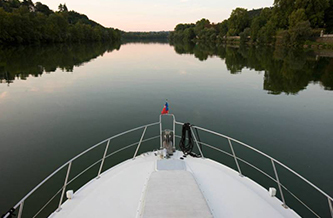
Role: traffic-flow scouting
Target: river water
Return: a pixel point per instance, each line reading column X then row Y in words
column 59, row 100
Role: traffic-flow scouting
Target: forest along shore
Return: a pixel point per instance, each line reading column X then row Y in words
column 26, row 23
column 288, row 23
column 29, row 23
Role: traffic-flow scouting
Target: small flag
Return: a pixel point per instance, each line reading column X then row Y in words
column 165, row 108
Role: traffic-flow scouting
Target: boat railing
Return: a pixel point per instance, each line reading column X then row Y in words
column 106, row 142
column 68, row 164
column 272, row 160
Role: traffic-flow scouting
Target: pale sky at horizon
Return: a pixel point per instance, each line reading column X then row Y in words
column 154, row 15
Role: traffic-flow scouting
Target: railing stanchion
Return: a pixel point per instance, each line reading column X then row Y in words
column 331, row 206
column 279, row 184
column 101, row 166
column 233, row 154
column 64, row 187
column 137, row 148
column 20, row 210
column 161, row 144
column 196, row 142
column 174, row 133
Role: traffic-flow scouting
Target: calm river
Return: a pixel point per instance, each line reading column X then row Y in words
column 57, row 101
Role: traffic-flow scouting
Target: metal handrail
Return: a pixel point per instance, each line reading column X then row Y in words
column 266, row 155
column 230, row 139
column 273, row 161
column 68, row 163
column 262, row 172
column 89, row 167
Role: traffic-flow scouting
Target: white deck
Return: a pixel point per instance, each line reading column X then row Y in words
column 194, row 187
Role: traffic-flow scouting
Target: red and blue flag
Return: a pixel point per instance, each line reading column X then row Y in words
column 165, row 108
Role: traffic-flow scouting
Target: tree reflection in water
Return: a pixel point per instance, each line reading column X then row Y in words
column 24, row 61
column 286, row 71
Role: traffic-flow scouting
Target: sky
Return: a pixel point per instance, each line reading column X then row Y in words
column 154, row 15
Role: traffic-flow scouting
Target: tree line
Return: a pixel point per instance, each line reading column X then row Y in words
column 28, row 23
column 288, row 23
column 35, row 60
column 160, row 35
column 285, row 70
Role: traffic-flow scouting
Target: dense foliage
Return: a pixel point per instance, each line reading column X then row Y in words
column 162, row 35
column 285, row 70
column 288, row 22
column 24, row 61
column 27, row 23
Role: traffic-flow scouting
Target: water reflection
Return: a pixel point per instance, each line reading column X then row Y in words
column 22, row 62
column 286, row 71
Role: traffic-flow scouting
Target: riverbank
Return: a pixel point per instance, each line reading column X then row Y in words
column 320, row 43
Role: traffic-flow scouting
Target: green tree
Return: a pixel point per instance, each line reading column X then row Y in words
column 281, row 12
column 26, row 23
column 29, row 4
column 43, row 9
column 238, row 21
column 299, row 33
column 314, row 10
column 207, row 34
column 189, row 34
column 65, row 8
column 200, row 25
column 245, row 35
column 223, row 28
column 267, row 33
column 282, row 38
column 296, row 17
column 328, row 18
column 62, row 8
column 259, row 22
column 255, row 27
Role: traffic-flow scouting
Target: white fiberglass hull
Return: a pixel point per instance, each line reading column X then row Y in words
column 148, row 187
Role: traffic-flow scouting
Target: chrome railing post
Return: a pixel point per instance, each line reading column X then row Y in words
column 161, row 144
column 137, row 148
column 331, row 206
column 64, row 187
column 174, row 133
column 279, row 184
column 101, row 166
column 233, row 154
column 196, row 142
column 20, row 210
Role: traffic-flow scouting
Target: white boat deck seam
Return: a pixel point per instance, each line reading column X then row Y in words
column 202, row 191
column 142, row 199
